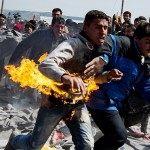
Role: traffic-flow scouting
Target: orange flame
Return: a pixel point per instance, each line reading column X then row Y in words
column 28, row 75
column 43, row 57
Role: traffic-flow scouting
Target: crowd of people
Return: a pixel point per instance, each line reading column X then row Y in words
column 115, row 53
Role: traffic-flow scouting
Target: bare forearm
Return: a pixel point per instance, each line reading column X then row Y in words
column 103, row 78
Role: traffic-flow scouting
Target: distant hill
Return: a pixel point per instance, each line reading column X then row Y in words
column 27, row 15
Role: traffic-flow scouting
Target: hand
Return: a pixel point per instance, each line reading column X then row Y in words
column 75, row 83
column 114, row 75
column 93, row 67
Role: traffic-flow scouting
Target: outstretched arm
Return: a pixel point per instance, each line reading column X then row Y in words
column 112, row 75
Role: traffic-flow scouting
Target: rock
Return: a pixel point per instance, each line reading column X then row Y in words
column 9, row 107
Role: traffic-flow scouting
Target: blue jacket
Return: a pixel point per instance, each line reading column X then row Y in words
column 142, row 86
column 111, row 95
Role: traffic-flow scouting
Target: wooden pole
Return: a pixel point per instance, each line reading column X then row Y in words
column 2, row 5
column 122, row 6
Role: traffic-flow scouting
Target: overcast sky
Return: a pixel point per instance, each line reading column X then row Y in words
column 80, row 7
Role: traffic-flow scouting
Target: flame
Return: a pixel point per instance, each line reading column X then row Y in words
column 28, row 75
column 43, row 57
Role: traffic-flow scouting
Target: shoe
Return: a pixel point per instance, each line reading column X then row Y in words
column 13, row 135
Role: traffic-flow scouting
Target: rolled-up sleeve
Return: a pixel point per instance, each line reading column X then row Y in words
column 51, row 67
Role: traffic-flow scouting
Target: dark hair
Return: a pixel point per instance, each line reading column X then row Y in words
column 131, row 26
column 127, row 12
column 69, row 21
column 94, row 14
column 31, row 24
column 17, row 15
column 142, row 18
column 57, row 9
column 3, row 16
column 58, row 20
column 137, row 19
column 142, row 30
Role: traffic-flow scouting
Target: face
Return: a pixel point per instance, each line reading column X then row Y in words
column 128, row 31
column 109, row 21
column 126, row 17
column 144, row 45
column 58, row 29
column 136, row 23
column 2, row 21
column 56, row 14
column 97, row 31
column 28, row 30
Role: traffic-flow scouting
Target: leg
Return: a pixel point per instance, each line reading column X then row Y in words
column 81, row 130
column 111, row 124
column 47, row 120
column 144, row 123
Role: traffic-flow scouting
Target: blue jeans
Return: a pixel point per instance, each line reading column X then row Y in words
column 47, row 119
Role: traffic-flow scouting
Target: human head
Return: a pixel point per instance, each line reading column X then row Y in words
column 96, row 26
column 30, row 26
column 129, row 30
column 109, row 21
column 142, row 37
column 142, row 19
column 136, row 22
column 125, row 25
column 2, row 20
column 58, row 26
column 127, row 16
column 56, row 12
column 17, row 17
column 69, row 22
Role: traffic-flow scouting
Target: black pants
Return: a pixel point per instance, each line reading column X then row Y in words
column 112, row 126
